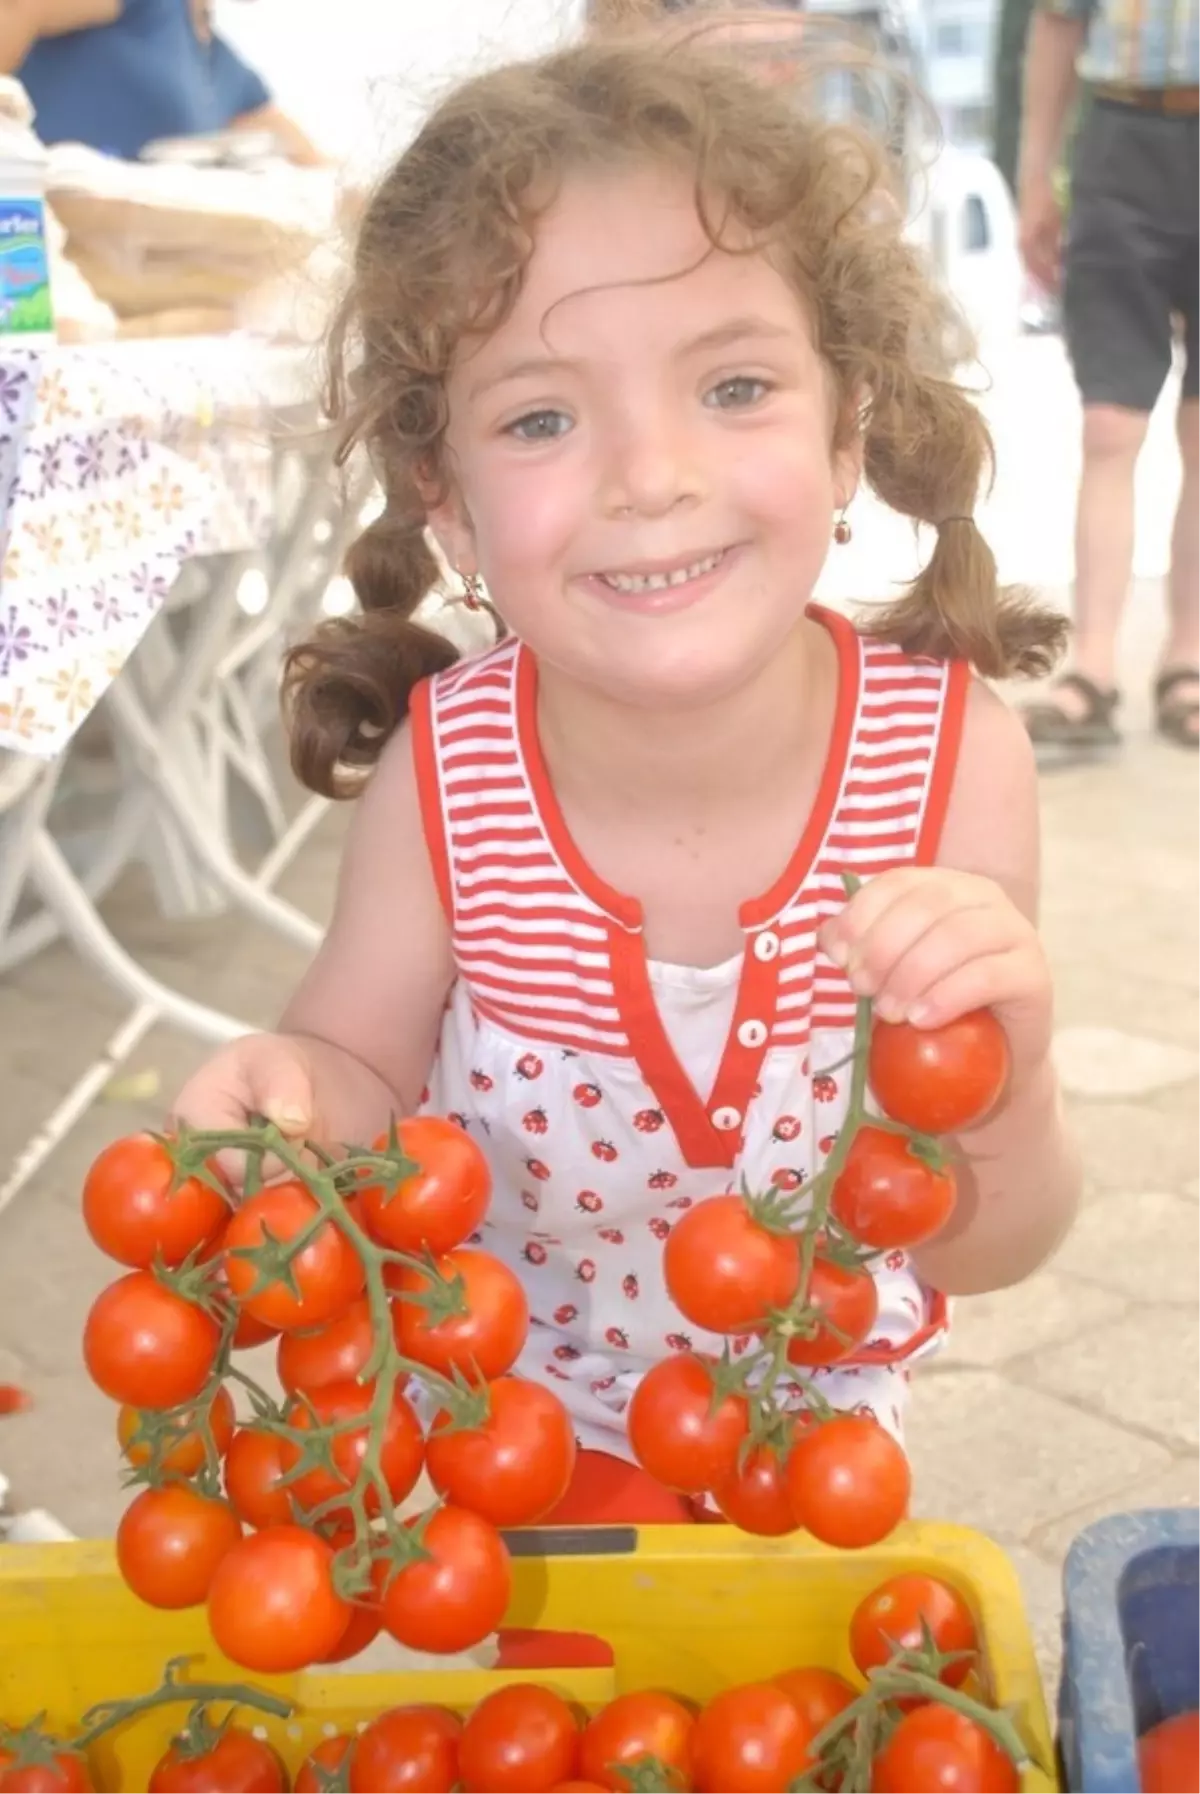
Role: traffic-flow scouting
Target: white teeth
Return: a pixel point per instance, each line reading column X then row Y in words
column 660, row 582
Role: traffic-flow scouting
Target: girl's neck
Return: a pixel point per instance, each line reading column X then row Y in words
column 748, row 744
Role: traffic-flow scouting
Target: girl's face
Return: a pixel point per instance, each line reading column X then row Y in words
column 640, row 457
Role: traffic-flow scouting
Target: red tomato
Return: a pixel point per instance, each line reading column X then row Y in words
column 938, row 1080
column 334, row 1353
column 634, row 1727
column 675, row 1434
column 238, row 1763
column 516, row 1466
column 137, row 1210
column 187, row 1456
column 414, row 1749
column 1169, row 1756
column 934, row 1747
column 272, row 1605
column 750, row 1740
column 402, row 1451
column 579, row 1788
column 887, row 1196
column 452, row 1598
column 520, row 1740
column 327, row 1271
column 443, row 1202
column 848, row 1302
column 818, row 1695
column 253, row 1467
column 366, row 1623
column 483, row 1342
column 145, row 1345
column 68, row 1774
column 755, row 1497
column 849, row 1481
column 323, row 1760
column 170, row 1542
column 724, row 1272
column 892, row 1615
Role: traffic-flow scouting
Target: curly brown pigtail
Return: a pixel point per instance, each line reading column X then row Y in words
column 347, row 687
column 927, row 451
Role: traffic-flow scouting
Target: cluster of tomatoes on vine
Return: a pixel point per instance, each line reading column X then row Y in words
column 285, row 1524
column 787, row 1278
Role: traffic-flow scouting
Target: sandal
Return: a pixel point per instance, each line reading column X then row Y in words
column 1094, row 729
column 1176, row 717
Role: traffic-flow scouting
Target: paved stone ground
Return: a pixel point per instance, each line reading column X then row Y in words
column 1071, row 1397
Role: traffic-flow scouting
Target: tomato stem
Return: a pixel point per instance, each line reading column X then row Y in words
column 331, row 1183
column 106, row 1715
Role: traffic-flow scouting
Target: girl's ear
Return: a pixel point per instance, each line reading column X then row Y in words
column 847, row 470
column 450, row 522
column 849, row 449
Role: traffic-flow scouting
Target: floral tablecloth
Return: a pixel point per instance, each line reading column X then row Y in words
column 117, row 463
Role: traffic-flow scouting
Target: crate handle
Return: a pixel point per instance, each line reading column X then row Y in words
column 573, row 1541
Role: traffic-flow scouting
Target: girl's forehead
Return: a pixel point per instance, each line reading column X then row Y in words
column 613, row 246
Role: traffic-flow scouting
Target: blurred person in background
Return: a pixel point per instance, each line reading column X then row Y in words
column 1128, row 274
column 121, row 74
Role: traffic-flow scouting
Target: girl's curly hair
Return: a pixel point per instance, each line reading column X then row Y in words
column 441, row 254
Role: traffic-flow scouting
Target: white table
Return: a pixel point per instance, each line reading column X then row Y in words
column 144, row 484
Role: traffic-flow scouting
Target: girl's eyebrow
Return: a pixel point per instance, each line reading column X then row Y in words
column 721, row 336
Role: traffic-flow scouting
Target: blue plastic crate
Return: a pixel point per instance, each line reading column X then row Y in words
column 1131, row 1642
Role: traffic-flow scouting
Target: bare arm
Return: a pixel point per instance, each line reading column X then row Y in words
column 1055, row 41
column 22, row 22
column 374, row 995
column 1018, row 1174
column 357, row 1040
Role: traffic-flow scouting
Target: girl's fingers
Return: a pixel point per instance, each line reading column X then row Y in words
column 916, row 892
column 916, row 914
column 952, row 942
column 990, row 981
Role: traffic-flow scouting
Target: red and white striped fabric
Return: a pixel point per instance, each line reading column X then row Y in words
column 612, row 1092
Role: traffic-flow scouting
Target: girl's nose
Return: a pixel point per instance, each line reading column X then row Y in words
column 653, row 468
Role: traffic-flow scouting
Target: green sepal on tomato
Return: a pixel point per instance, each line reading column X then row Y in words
column 439, row 1195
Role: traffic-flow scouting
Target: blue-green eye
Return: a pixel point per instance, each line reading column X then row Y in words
column 539, row 426
column 736, row 393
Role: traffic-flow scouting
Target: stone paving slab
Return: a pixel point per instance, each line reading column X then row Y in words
column 1071, row 1397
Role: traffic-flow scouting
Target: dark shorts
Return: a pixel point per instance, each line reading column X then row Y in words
column 1132, row 240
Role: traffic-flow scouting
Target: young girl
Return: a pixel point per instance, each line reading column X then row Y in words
column 626, row 333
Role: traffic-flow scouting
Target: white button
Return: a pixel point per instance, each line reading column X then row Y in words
column 727, row 1119
column 766, row 945
column 752, row 1034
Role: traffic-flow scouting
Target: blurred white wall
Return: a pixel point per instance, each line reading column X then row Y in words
column 359, row 73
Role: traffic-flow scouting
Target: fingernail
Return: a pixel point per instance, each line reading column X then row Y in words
column 839, row 953
column 919, row 1014
column 888, row 1010
column 291, row 1120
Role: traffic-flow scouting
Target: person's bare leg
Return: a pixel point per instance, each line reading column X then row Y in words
column 1182, row 646
column 1104, row 526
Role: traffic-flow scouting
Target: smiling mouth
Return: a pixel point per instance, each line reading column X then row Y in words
column 634, row 583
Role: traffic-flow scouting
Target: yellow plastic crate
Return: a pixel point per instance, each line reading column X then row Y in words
column 690, row 1609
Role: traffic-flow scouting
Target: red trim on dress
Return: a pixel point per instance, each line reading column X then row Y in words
column 759, row 910
column 429, row 791
column 947, row 742
column 937, row 1322
column 625, row 910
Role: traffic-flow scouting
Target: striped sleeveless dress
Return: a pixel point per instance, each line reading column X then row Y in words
column 610, row 1091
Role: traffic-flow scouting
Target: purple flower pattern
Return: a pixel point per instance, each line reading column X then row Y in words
column 88, row 553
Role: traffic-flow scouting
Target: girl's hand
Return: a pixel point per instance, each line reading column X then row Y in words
column 259, row 1075
column 928, row 944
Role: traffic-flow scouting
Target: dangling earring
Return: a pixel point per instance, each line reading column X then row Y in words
column 842, row 531
column 472, row 592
